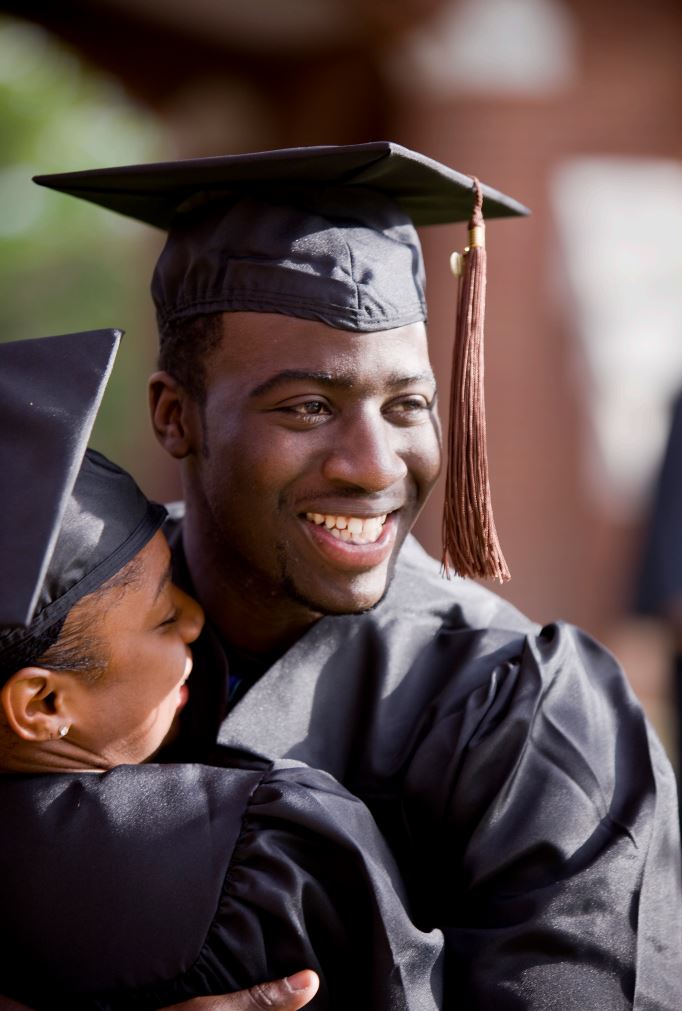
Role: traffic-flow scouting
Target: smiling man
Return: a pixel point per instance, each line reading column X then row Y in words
column 531, row 809
column 303, row 481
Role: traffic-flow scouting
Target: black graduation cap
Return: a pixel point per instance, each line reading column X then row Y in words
column 324, row 233
column 50, row 391
column 70, row 517
column 320, row 232
column 429, row 192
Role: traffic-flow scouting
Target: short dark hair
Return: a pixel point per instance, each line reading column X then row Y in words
column 185, row 344
column 77, row 649
column 72, row 643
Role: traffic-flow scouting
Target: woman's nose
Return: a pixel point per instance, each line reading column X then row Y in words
column 191, row 618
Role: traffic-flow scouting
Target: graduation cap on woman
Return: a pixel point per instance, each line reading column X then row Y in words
column 69, row 518
column 326, row 233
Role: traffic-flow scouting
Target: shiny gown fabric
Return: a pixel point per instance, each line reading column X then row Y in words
column 148, row 885
column 529, row 805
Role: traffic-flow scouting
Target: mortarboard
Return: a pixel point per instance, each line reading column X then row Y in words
column 325, row 233
column 70, row 517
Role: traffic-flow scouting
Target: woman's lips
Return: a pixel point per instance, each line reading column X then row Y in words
column 183, row 696
column 183, row 690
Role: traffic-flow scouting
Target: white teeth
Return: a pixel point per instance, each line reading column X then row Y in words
column 351, row 529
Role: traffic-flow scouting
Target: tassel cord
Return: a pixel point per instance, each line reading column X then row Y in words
column 470, row 542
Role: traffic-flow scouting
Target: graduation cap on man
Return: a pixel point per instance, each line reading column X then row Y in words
column 327, row 233
column 69, row 518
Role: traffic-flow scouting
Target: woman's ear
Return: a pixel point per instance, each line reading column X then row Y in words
column 175, row 416
column 33, row 704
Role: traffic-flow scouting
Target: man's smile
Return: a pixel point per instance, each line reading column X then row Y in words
column 353, row 542
column 351, row 529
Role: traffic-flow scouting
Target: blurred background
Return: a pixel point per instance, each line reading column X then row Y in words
column 571, row 106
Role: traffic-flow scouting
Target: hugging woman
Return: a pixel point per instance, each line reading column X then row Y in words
column 126, row 884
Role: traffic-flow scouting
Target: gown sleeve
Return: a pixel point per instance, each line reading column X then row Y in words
column 543, row 811
column 310, row 884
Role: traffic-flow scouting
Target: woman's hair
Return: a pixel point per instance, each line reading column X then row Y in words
column 72, row 644
column 77, row 647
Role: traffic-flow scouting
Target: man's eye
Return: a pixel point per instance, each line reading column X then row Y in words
column 310, row 407
column 409, row 407
column 307, row 410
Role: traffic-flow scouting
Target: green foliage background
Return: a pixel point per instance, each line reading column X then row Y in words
column 66, row 265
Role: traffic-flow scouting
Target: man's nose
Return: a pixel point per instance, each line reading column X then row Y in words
column 365, row 454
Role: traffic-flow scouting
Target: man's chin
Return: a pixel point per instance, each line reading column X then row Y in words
column 323, row 603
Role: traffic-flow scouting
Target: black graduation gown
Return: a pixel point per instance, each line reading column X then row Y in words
column 529, row 804
column 151, row 884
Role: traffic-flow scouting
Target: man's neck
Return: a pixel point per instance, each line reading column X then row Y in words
column 245, row 616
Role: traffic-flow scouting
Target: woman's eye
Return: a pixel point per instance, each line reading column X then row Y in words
column 170, row 620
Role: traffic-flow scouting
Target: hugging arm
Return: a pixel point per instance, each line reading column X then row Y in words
column 288, row 994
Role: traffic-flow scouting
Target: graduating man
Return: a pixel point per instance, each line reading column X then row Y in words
column 529, row 805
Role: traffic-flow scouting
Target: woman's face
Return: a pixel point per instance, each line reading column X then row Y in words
column 145, row 627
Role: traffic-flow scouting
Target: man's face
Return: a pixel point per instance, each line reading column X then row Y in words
column 319, row 449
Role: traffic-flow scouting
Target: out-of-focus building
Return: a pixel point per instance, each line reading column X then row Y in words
column 574, row 107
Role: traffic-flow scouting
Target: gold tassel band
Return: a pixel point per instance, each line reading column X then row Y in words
column 477, row 236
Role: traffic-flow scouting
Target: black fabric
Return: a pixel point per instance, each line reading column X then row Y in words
column 355, row 265
column 148, row 885
column 106, row 521
column 529, row 805
column 321, row 233
column 428, row 191
column 50, row 389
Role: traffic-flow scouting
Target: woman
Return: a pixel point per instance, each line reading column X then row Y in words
column 138, row 886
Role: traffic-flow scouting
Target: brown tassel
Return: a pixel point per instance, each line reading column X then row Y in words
column 470, row 543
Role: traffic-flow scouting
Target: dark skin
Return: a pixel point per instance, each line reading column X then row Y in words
column 301, row 422
column 287, row 994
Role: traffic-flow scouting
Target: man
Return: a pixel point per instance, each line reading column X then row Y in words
column 510, row 768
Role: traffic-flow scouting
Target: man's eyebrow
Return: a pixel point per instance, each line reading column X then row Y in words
column 289, row 375
column 337, row 381
column 418, row 377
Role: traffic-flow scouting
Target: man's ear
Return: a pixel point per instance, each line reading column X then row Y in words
column 33, row 705
column 175, row 416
